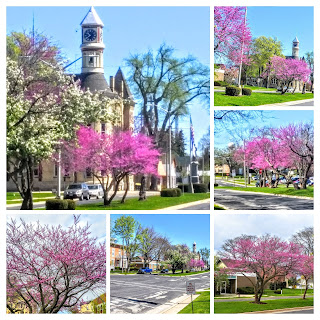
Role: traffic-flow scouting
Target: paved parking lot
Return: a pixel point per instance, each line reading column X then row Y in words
column 142, row 293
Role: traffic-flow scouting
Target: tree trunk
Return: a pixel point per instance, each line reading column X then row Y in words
column 27, row 203
column 305, row 291
column 108, row 202
column 153, row 185
column 142, row 192
column 127, row 188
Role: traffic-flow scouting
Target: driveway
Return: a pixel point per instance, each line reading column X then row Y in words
column 244, row 200
column 144, row 293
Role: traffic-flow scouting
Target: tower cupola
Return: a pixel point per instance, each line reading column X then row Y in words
column 295, row 48
column 92, row 45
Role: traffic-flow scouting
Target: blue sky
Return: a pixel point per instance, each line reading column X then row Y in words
column 285, row 23
column 126, row 30
column 284, row 225
column 270, row 119
column 179, row 228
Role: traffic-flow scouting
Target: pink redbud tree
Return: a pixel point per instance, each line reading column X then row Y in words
column 51, row 269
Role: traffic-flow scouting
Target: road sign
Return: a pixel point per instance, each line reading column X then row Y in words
column 233, row 172
column 191, row 287
column 260, row 171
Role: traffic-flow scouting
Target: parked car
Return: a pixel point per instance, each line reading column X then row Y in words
column 255, row 178
column 144, row 270
column 310, row 182
column 95, row 190
column 290, row 89
column 164, row 271
column 77, row 190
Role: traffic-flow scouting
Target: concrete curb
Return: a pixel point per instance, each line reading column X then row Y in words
column 271, row 194
column 282, row 310
column 289, row 103
column 185, row 205
column 222, row 206
column 180, row 305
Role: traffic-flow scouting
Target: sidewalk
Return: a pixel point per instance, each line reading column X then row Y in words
column 289, row 103
column 185, row 205
column 282, row 310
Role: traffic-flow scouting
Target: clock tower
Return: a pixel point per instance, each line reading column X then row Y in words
column 92, row 45
column 295, row 48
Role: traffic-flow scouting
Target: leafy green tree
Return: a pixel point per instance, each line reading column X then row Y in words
column 44, row 106
column 147, row 244
column 179, row 144
column 263, row 48
column 205, row 255
column 128, row 229
column 163, row 81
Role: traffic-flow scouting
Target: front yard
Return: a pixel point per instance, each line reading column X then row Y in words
column 152, row 202
column 258, row 98
column 248, row 306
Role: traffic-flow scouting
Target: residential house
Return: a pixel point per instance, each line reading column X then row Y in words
column 118, row 257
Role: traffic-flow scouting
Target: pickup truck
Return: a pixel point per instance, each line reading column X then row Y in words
column 144, row 270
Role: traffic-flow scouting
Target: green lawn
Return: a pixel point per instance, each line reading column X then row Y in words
column 152, row 202
column 15, row 198
column 181, row 274
column 258, row 98
column 260, row 88
column 284, row 191
column 288, row 292
column 216, row 207
column 244, row 306
column 200, row 305
column 125, row 273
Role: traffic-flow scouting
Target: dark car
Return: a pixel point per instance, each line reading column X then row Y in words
column 164, row 271
column 144, row 270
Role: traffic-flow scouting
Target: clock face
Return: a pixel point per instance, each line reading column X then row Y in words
column 294, row 44
column 90, row 35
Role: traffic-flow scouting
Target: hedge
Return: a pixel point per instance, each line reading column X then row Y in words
column 56, row 204
column 245, row 290
column 246, row 91
column 175, row 192
column 184, row 186
column 221, row 84
column 200, row 188
column 232, row 91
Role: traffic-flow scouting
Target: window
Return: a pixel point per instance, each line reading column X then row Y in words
column 88, row 172
column 113, row 252
column 103, row 128
column 36, row 171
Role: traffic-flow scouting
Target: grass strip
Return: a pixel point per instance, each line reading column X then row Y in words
column 200, row 305
column 258, row 98
column 282, row 191
column 152, row 202
column 246, row 306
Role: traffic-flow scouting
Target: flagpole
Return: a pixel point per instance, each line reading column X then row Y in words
column 191, row 184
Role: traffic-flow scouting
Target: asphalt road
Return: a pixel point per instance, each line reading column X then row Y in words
column 243, row 200
column 305, row 104
column 141, row 293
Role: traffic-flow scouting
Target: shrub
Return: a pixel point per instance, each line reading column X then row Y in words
column 246, row 91
column 71, row 204
column 175, row 192
column 245, row 290
column 277, row 291
column 232, row 91
column 221, row 83
column 56, row 204
column 216, row 184
column 184, row 186
column 200, row 188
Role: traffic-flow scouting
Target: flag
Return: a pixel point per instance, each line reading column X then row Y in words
column 193, row 148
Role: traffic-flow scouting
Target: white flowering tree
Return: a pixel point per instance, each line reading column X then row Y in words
column 44, row 106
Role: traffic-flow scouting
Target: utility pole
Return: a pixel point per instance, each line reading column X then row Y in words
column 240, row 68
column 170, row 182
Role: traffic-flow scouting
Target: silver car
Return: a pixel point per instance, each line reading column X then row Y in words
column 77, row 190
column 95, row 190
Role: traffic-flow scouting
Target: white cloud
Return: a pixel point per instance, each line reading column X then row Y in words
column 228, row 226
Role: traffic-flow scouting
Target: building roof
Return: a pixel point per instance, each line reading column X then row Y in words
column 91, row 19
column 95, row 81
column 295, row 39
column 117, row 84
